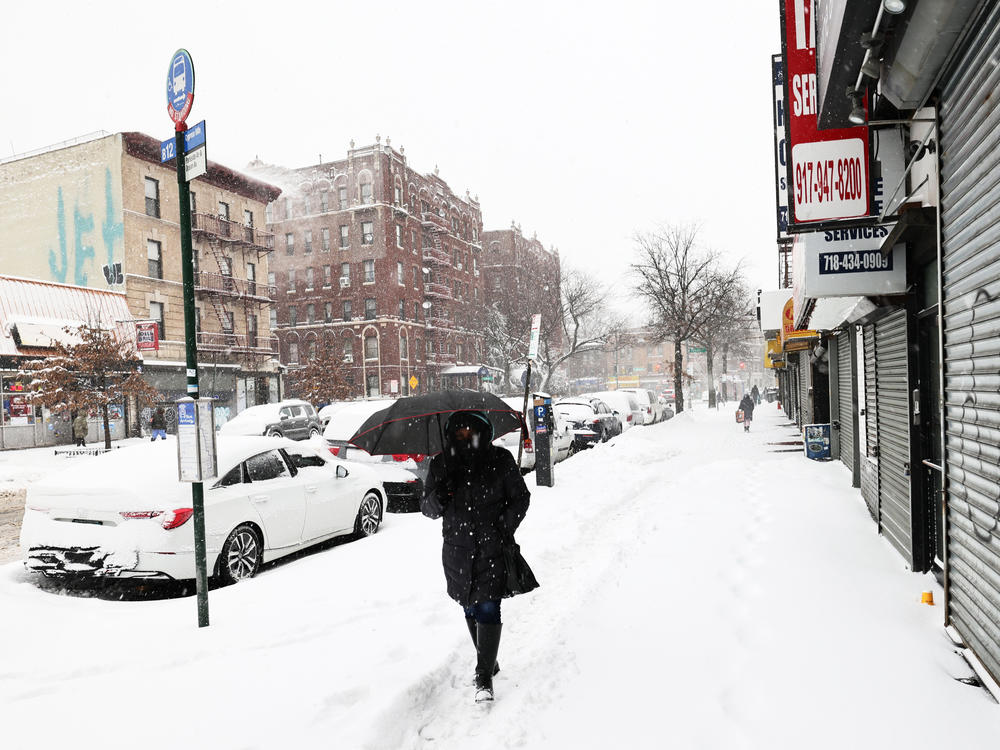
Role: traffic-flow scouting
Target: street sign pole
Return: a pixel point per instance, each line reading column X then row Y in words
column 180, row 97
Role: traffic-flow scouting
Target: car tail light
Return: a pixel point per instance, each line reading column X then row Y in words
column 177, row 517
column 416, row 457
column 629, row 418
column 335, row 450
column 528, row 446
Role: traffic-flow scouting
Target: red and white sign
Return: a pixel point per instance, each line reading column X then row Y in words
column 828, row 169
column 147, row 337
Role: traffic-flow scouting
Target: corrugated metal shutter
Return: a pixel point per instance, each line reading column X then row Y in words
column 970, row 237
column 805, row 382
column 845, row 396
column 893, row 388
column 869, row 456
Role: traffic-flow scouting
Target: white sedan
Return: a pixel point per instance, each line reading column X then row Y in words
column 126, row 515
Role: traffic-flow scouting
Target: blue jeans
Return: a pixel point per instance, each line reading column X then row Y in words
column 160, row 434
column 487, row 613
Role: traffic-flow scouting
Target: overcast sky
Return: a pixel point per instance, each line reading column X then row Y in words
column 583, row 122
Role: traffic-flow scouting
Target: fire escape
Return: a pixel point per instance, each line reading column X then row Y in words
column 230, row 296
column 437, row 293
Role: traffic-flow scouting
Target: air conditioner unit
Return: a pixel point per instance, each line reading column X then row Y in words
column 348, row 358
column 345, row 281
column 475, row 273
column 458, row 266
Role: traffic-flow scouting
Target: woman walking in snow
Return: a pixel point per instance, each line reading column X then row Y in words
column 747, row 406
column 478, row 491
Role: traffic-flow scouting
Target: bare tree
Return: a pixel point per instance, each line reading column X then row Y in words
column 618, row 338
column 319, row 381
column 576, row 323
column 677, row 279
column 92, row 374
column 725, row 324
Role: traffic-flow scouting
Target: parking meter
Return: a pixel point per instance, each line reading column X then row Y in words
column 544, row 425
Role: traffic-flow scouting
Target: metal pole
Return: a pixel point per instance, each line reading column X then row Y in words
column 191, row 350
column 524, row 409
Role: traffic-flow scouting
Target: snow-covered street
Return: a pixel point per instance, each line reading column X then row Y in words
column 699, row 590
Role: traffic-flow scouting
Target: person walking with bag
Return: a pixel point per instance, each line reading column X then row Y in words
column 478, row 491
column 746, row 405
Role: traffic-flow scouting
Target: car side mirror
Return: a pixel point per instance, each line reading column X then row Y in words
column 342, row 472
column 617, row 413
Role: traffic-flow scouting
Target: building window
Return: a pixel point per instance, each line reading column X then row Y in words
column 372, row 382
column 416, row 348
column 344, row 241
column 309, row 279
column 342, row 197
column 348, row 350
column 310, row 313
column 291, row 281
column 327, row 276
column 371, row 346
column 324, row 201
column 399, row 273
column 272, row 318
column 312, row 351
column 152, row 198
column 403, row 354
column 290, row 244
column 326, row 239
column 347, row 310
column 368, row 268
column 156, row 315
column 475, row 234
column 402, row 310
column 293, row 316
column 416, row 311
column 223, row 211
column 416, row 277
column 398, row 197
column 268, row 213
column 366, row 192
column 369, row 308
column 367, row 232
column 228, row 322
column 154, row 257
column 288, row 208
column 328, row 312
column 429, row 346
column 399, row 236
column 459, row 351
column 293, row 353
column 308, row 241
column 345, row 274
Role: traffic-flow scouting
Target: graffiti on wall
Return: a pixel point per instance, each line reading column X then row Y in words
column 112, row 233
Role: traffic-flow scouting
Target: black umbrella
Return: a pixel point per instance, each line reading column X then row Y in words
column 416, row 424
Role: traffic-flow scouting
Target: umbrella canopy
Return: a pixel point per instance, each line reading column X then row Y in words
column 416, row 424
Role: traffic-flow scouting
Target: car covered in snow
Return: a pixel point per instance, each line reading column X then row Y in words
column 590, row 420
column 624, row 405
column 648, row 403
column 291, row 418
column 402, row 475
column 125, row 514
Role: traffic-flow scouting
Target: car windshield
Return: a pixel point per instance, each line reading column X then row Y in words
column 576, row 412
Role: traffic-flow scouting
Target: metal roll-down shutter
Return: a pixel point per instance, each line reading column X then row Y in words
column 845, row 396
column 893, row 394
column 805, row 382
column 869, row 454
column 970, row 251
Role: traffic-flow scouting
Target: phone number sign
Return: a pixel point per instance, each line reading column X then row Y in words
column 827, row 169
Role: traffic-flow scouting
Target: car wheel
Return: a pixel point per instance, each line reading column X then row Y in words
column 273, row 433
column 313, row 432
column 241, row 555
column 369, row 515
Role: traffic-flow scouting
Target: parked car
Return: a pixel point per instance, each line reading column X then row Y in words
column 292, row 418
column 126, row 515
column 562, row 440
column 591, row 421
column 624, row 404
column 647, row 402
column 402, row 475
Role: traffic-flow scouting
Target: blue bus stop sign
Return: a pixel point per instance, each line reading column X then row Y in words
column 180, row 86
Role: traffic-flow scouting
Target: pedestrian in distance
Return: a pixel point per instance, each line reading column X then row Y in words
column 158, row 425
column 746, row 406
column 755, row 394
column 80, row 428
column 476, row 488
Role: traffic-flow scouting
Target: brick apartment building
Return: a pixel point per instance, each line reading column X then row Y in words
column 102, row 212
column 377, row 269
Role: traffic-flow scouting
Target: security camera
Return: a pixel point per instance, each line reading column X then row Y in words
column 916, row 151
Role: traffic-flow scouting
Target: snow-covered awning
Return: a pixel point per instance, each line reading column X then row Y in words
column 469, row 370
column 830, row 313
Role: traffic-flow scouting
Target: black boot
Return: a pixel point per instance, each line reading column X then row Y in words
column 487, row 646
column 471, row 623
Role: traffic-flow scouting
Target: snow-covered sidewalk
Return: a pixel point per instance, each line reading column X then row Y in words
column 698, row 591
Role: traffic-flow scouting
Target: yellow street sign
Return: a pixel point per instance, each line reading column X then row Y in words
column 413, row 382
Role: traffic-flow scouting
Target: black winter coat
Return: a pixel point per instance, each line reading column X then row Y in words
column 482, row 505
column 747, row 406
